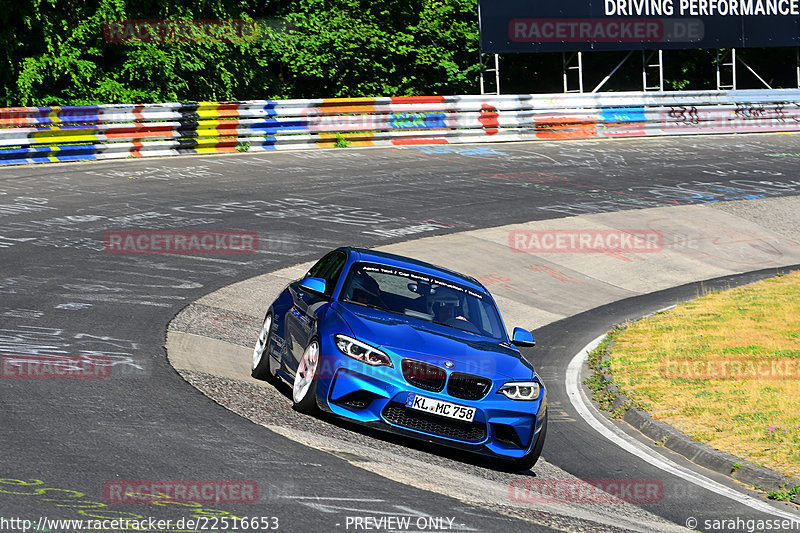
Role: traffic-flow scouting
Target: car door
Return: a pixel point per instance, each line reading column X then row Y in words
column 301, row 319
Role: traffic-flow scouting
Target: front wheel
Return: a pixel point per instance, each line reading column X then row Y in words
column 304, row 389
column 261, row 365
column 527, row 461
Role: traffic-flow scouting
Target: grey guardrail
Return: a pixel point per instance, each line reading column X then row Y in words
column 53, row 134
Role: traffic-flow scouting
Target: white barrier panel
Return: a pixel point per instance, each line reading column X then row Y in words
column 43, row 134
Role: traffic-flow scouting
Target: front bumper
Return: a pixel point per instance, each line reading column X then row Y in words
column 376, row 397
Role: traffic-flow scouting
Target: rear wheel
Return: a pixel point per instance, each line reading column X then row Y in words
column 527, row 461
column 261, row 364
column 304, row 389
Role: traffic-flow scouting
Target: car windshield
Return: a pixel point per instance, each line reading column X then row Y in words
column 423, row 297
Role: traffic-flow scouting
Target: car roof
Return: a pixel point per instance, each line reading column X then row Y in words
column 399, row 261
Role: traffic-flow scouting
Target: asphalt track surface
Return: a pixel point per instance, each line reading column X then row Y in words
column 63, row 294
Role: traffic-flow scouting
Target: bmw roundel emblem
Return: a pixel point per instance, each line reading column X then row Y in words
column 449, row 364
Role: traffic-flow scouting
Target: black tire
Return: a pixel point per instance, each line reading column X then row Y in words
column 307, row 401
column 527, row 461
column 260, row 369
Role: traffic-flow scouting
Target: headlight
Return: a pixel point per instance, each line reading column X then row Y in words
column 362, row 352
column 521, row 390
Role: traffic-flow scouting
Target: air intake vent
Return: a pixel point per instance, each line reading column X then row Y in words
column 399, row 415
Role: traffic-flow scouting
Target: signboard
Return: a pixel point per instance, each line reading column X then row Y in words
column 573, row 25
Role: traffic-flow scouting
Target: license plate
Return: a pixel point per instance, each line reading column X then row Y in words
column 439, row 407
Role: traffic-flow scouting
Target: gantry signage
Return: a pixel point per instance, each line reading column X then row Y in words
column 581, row 25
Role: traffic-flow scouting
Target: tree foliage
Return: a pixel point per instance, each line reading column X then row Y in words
column 54, row 52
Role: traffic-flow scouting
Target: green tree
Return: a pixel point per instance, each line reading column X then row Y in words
column 387, row 48
column 54, row 51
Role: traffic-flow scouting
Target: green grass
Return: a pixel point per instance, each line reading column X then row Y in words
column 722, row 368
column 341, row 141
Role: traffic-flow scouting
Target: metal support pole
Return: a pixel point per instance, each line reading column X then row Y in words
column 608, row 77
column 732, row 64
column 480, row 62
column 484, row 70
column 497, row 73
column 797, row 51
column 754, row 73
column 565, row 61
column 480, row 50
column 646, row 64
column 645, row 59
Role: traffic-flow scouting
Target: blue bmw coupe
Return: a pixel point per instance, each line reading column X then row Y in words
column 406, row 347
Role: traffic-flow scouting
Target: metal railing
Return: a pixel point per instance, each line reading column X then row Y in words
column 45, row 134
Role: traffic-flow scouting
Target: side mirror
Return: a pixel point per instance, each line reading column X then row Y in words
column 522, row 337
column 313, row 285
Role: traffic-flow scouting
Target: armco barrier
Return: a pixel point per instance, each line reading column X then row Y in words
column 45, row 134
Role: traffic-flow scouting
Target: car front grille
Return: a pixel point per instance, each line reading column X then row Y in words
column 467, row 386
column 398, row 414
column 423, row 375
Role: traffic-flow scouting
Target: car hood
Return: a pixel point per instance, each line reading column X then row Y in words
column 434, row 343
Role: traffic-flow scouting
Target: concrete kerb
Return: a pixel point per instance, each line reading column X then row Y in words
column 699, row 453
column 534, row 289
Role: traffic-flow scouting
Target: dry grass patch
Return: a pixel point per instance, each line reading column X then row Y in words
column 724, row 369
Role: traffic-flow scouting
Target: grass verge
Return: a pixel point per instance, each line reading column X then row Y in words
column 724, row 369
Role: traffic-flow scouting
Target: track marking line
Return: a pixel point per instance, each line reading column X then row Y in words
column 582, row 405
column 332, row 498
